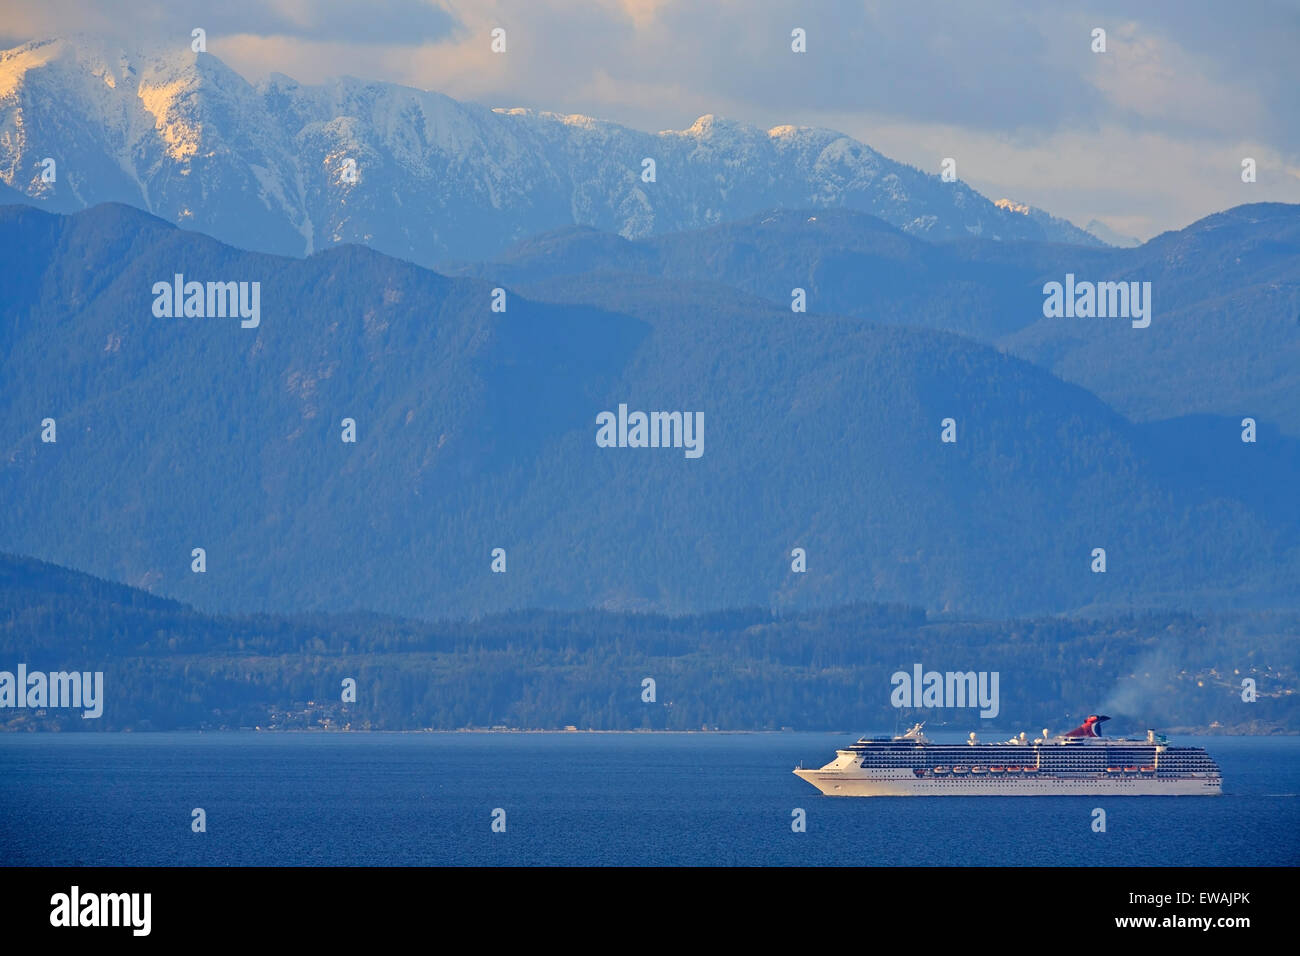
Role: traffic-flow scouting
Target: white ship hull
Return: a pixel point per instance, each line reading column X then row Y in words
column 838, row 783
column 1078, row 764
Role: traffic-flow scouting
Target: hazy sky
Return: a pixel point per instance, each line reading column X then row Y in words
column 1145, row 137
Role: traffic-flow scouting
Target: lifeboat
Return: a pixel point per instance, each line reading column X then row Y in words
column 1148, row 769
column 958, row 769
column 1130, row 769
column 997, row 769
column 1113, row 770
column 1031, row 770
column 978, row 770
column 939, row 771
column 1013, row 770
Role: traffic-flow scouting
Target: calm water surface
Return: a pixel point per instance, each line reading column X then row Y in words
column 581, row 799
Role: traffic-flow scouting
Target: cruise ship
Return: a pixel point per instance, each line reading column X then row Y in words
column 1080, row 762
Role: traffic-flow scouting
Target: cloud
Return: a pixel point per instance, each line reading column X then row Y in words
column 1138, row 183
column 145, row 22
column 1147, row 136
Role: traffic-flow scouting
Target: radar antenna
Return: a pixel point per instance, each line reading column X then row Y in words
column 915, row 733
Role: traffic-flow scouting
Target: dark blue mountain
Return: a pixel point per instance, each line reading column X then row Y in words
column 477, row 430
column 1224, row 337
column 167, row 666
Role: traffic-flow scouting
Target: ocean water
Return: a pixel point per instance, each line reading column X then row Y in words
column 585, row 799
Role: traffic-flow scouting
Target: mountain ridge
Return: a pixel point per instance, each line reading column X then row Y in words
column 477, row 430
column 167, row 666
column 1220, row 287
column 264, row 166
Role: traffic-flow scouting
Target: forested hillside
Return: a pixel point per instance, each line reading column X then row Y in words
column 167, row 666
column 1225, row 291
column 477, row 430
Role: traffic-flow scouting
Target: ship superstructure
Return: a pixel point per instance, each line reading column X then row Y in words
column 1079, row 762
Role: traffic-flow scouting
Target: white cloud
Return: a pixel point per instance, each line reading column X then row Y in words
column 1145, row 137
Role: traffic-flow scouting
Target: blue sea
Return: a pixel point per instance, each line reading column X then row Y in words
column 585, row 799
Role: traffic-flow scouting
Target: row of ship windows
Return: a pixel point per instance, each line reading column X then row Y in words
column 1050, row 784
column 909, row 760
column 979, row 769
column 1082, row 766
column 1108, row 760
column 1104, row 758
column 1003, row 751
column 1032, row 745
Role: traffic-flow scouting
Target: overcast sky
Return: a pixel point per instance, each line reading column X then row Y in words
column 1147, row 136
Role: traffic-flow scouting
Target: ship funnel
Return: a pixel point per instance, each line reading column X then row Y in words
column 1090, row 727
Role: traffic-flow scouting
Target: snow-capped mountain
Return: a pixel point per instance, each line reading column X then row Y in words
column 1109, row 236
column 283, row 167
column 1054, row 227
